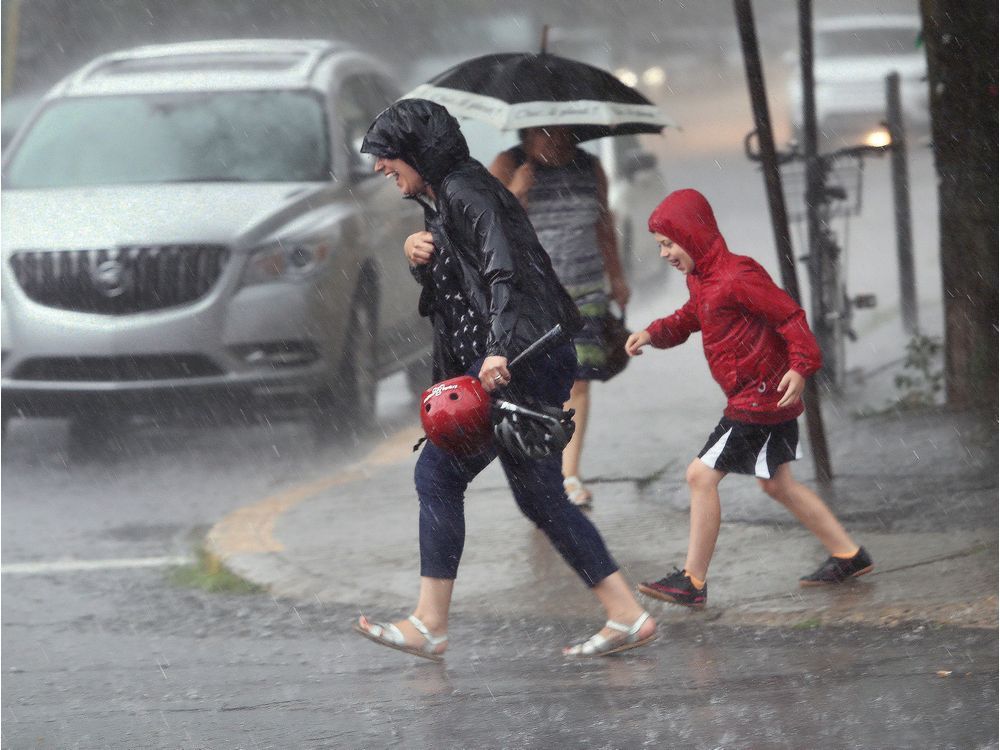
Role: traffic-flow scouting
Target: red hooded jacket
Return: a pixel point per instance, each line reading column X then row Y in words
column 752, row 331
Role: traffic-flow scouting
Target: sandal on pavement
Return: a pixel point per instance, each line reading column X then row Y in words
column 387, row 634
column 577, row 492
column 598, row 645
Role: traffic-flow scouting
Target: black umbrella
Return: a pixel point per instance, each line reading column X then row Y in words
column 522, row 90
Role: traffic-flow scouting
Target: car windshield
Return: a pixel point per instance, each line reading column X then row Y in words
column 867, row 42
column 245, row 136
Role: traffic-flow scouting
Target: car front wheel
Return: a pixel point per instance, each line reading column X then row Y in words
column 348, row 400
column 359, row 366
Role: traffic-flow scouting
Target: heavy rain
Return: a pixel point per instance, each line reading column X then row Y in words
column 222, row 328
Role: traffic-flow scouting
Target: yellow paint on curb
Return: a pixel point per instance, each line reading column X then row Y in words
column 250, row 529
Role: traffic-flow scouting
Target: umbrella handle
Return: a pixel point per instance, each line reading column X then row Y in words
column 541, row 343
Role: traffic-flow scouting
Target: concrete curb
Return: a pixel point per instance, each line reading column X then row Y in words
column 920, row 566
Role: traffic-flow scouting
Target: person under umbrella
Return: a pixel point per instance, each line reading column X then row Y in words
column 565, row 192
column 555, row 103
column 490, row 291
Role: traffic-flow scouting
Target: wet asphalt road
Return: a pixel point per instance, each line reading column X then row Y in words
column 124, row 659
column 139, row 489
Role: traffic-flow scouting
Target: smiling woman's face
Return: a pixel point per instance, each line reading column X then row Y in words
column 408, row 180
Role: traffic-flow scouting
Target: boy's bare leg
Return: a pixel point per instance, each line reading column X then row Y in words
column 706, row 515
column 579, row 399
column 810, row 510
column 432, row 609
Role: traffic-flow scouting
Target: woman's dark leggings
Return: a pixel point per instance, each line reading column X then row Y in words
column 441, row 479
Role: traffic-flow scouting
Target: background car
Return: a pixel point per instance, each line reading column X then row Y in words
column 14, row 111
column 853, row 55
column 195, row 220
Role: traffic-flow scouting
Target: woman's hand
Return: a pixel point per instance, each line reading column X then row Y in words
column 792, row 386
column 494, row 373
column 635, row 342
column 522, row 180
column 620, row 291
column 419, row 248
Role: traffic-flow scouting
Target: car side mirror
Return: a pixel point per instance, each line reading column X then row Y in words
column 638, row 160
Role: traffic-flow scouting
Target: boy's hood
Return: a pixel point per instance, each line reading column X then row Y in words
column 421, row 133
column 686, row 218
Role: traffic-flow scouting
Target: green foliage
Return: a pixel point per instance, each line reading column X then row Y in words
column 921, row 384
column 810, row 623
column 209, row 574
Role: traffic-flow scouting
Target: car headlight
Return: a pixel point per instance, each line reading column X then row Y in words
column 285, row 262
column 878, row 138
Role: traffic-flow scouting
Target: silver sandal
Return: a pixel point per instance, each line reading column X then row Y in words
column 577, row 492
column 387, row 634
column 598, row 645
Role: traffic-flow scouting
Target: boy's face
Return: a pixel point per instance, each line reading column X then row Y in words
column 408, row 180
column 675, row 254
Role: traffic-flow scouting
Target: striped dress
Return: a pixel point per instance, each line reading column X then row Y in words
column 564, row 208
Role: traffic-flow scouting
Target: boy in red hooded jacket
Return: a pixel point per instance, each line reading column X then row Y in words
column 760, row 350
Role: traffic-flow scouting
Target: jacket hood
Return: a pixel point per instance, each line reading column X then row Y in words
column 686, row 218
column 421, row 133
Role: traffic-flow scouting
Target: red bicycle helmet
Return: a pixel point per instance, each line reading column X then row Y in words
column 456, row 415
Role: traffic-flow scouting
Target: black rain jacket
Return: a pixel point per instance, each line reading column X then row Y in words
column 507, row 275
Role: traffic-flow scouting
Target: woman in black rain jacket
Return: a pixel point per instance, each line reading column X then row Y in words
column 490, row 291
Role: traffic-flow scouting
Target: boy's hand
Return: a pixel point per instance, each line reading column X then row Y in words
column 635, row 342
column 792, row 386
column 419, row 248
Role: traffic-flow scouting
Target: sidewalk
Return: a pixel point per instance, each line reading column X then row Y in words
column 918, row 489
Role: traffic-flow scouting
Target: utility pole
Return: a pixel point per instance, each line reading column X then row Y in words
column 779, row 215
column 814, row 188
column 901, row 202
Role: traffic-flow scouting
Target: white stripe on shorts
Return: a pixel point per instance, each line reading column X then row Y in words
column 761, row 469
column 713, row 453
column 798, row 449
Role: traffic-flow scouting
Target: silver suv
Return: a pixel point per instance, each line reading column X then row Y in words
column 195, row 220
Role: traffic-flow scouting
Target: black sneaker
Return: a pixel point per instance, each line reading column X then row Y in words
column 677, row 589
column 838, row 570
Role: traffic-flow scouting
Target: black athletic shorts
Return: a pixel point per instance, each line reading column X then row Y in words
column 754, row 449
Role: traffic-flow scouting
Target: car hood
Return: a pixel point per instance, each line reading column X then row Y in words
column 865, row 69
column 77, row 218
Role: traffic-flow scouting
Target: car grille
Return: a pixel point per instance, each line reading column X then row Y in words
column 117, row 369
column 119, row 281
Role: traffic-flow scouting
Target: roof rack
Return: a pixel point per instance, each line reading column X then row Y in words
column 311, row 52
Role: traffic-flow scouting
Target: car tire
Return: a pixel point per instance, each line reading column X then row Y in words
column 348, row 402
column 359, row 367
